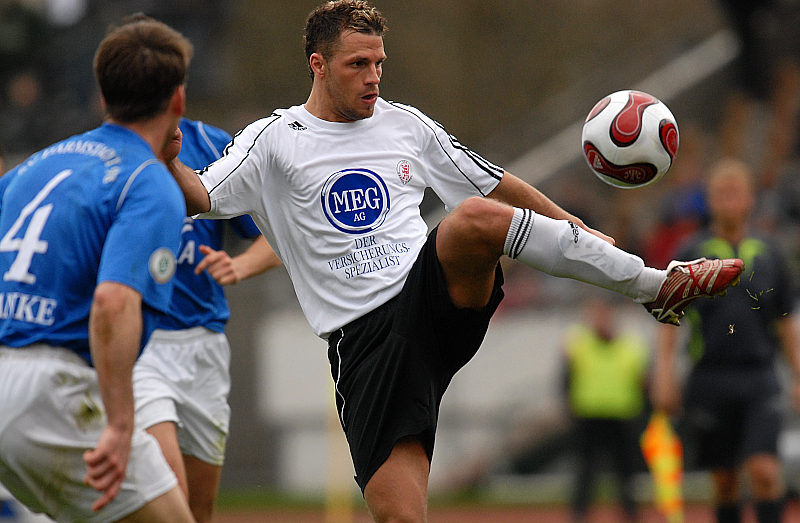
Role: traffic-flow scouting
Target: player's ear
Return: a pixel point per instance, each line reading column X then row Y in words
column 318, row 65
column 177, row 103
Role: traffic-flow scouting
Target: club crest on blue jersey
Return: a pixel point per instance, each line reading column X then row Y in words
column 162, row 265
column 355, row 201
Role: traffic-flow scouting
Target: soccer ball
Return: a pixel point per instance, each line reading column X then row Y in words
column 630, row 139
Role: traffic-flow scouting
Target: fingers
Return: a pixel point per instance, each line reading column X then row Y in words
column 104, row 475
column 218, row 264
column 210, row 256
column 602, row 236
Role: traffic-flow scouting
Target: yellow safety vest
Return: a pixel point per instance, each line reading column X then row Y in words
column 606, row 377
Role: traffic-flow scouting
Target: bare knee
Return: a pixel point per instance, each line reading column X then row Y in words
column 765, row 476
column 726, row 486
column 481, row 220
column 479, row 225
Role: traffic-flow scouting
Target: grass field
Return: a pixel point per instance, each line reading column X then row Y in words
column 253, row 507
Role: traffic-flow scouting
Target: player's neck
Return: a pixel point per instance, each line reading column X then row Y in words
column 732, row 233
column 154, row 131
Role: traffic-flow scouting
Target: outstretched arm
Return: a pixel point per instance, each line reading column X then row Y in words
column 258, row 258
column 115, row 331
column 516, row 192
column 194, row 191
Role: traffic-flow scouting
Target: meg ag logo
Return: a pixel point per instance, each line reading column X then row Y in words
column 355, row 201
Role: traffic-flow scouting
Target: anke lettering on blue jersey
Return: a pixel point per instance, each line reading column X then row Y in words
column 95, row 207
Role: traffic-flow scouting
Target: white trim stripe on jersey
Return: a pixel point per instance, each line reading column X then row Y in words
column 244, row 158
column 131, row 178
column 202, row 130
column 491, row 169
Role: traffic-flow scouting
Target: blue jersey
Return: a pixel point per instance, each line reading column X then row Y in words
column 198, row 300
column 96, row 207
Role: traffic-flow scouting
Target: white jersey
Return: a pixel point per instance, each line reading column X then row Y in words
column 339, row 202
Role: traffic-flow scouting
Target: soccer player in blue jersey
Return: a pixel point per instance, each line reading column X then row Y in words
column 89, row 231
column 181, row 381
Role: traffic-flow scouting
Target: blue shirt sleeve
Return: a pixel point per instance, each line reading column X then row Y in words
column 145, row 234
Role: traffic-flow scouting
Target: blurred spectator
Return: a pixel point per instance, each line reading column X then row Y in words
column 23, row 64
column 732, row 397
column 767, row 83
column 22, row 33
column 606, row 374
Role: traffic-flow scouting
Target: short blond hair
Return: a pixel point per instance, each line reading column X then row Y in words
column 729, row 169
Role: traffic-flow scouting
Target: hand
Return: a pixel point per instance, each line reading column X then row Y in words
column 599, row 234
column 172, row 147
column 106, row 464
column 219, row 265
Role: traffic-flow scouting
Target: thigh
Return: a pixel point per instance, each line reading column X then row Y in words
column 399, row 488
column 183, row 377
column 761, row 424
column 166, row 435
column 170, row 507
column 427, row 316
column 60, row 417
column 386, row 389
column 392, row 366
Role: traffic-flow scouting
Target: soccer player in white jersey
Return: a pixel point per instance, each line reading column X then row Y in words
column 335, row 186
column 181, row 382
column 89, row 230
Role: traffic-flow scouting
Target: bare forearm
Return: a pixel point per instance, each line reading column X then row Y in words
column 514, row 191
column 115, row 328
column 258, row 258
column 194, row 191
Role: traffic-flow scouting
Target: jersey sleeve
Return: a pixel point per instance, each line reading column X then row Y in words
column 141, row 245
column 216, row 139
column 232, row 181
column 455, row 172
column 4, row 181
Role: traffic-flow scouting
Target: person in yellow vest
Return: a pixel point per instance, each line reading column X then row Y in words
column 605, row 381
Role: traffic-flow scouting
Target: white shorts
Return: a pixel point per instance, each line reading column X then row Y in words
column 51, row 412
column 12, row 511
column 182, row 376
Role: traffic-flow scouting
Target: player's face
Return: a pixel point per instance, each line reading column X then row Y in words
column 352, row 77
column 730, row 200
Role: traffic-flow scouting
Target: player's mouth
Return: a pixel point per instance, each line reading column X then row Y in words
column 370, row 98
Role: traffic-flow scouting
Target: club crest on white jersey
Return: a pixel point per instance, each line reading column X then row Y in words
column 355, row 201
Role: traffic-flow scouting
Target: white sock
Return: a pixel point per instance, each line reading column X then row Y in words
column 561, row 248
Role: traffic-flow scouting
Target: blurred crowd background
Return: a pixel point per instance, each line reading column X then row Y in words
column 512, row 80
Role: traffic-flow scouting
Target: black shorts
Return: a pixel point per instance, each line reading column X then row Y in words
column 732, row 414
column 392, row 366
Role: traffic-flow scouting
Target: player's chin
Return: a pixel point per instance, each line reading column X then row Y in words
column 362, row 113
